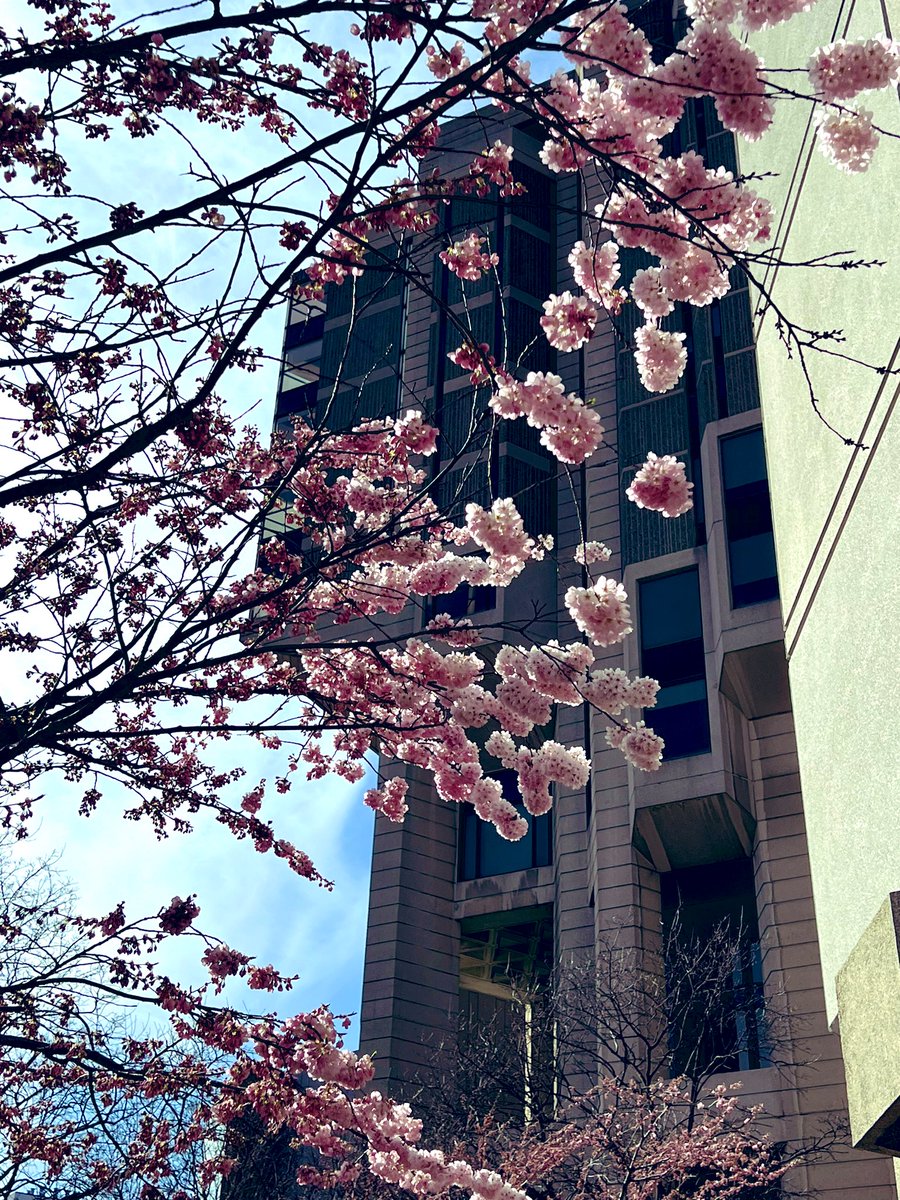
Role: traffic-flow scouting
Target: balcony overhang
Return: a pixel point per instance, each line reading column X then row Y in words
column 755, row 679
column 693, row 832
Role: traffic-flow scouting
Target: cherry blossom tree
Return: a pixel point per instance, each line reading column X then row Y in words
column 651, row 1142
column 70, row 1059
column 150, row 611
column 519, row 1091
column 91, row 1106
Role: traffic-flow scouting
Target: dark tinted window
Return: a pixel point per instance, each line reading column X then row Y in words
column 482, row 851
column 748, row 520
column 714, row 974
column 297, row 400
column 672, row 652
column 466, row 601
column 300, row 332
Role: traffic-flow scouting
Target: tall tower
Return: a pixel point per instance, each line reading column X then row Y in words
column 456, row 914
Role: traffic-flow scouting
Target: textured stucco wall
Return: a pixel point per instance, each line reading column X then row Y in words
column 836, row 515
column 868, row 990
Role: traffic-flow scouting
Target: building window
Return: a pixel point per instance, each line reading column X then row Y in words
column 748, row 520
column 713, row 969
column 309, row 328
column 672, row 652
column 482, row 851
column 504, row 1061
column 297, row 394
column 466, row 601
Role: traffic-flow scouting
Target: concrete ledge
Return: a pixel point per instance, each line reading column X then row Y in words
column 503, row 893
column 868, row 995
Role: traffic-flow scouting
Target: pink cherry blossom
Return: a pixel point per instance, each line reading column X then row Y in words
column 592, row 552
column 475, row 359
column 466, row 258
column 179, row 915
column 389, row 800
column 660, row 357
column 716, row 11
column 762, row 14
column 642, row 692
column 608, row 689
column 848, row 140
column 222, row 961
column 415, row 434
column 601, row 611
column 844, row 69
column 500, row 531
column 501, row 745
column 642, row 747
column 561, row 156
column 487, row 799
column 569, row 321
column 710, row 60
column 649, row 294
column 444, row 64
column 663, row 232
column 552, row 763
column 697, row 277
column 556, row 670
column 606, row 36
column 512, row 79
column 494, row 164
column 661, row 485
column 576, row 434
column 459, row 633
column 570, row 429
column 596, row 270
column 344, row 258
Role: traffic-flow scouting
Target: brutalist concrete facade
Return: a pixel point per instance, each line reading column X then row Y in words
column 836, row 524
column 441, row 916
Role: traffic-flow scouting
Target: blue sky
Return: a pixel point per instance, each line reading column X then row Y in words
column 250, row 900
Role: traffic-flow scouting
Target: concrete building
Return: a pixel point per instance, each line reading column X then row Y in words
column 456, row 913
column 836, row 526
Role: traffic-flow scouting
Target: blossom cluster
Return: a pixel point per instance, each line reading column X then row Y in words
column 426, row 702
column 500, row 532
column 466, row 259
column 612, row 691
column 494, row 164
column 389, row 800
column 661, row 485
column 844, row 69
column 568, row 321
column 569, row 428
column 660, row 357
column 419, row 701
column 592, row 552
column 600, row 611
column 847, row 139
column 596, row 270
column 443, row 64
column 641, row 746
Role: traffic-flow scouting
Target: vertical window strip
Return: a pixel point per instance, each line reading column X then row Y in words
column 672, row 651
column 748, row 520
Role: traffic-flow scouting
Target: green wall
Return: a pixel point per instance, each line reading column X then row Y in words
column 836, row 511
